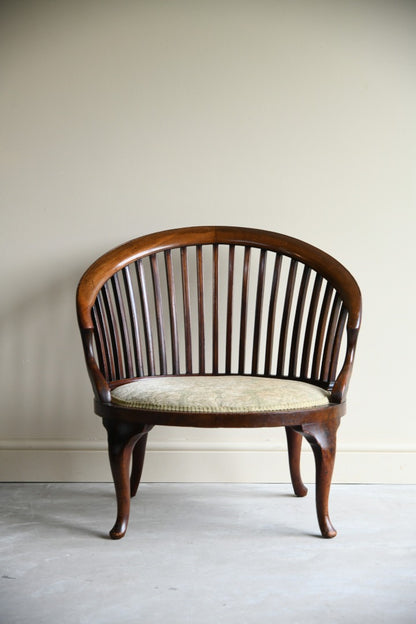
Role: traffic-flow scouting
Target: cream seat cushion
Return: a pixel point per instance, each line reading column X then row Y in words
column 221, row 394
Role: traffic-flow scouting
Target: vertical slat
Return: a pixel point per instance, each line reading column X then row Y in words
column 243, row 318
column 272, row 314
column 294, row 348
column 229, row 337
column 215, row 309
column 258, row 312
column 330, row 335
column 134, row 325
column 201, row 319
column 113, row 333
column 159, row 313
column 141, row 280
column 102, row 317
column 337, row 343
column 186, row 310
column 100, row 341
column 286, row 316
column 310, row 323
column 320, row 331
column 172, row 312
column 121, row 312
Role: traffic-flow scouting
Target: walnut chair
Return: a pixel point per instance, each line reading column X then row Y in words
column 219, row 327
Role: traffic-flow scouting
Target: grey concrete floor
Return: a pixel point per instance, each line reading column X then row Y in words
column 205, row 553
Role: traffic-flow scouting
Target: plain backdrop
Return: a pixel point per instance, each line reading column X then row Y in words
column 119, row 118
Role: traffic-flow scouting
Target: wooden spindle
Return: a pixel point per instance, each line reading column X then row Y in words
column 186, row 309
column 294, row 348
column 100, row 341
column 271, row 318
column 172, row 312
column 117, row 360
column 310, row 324
column 243, row 318
column 159, row 313
column 134, row 325
column 284, row 329
column 330, row 335
column 201, row 317
column 122, row 322
column 258, row 312
column 337, row 343
column 215, row 309
column 320, row 332
column 141, row 280
column 230, row 293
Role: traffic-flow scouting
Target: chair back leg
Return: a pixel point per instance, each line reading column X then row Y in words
column 137, row 467
column 294, row 446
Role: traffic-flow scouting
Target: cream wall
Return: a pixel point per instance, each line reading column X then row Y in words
column 120, row 118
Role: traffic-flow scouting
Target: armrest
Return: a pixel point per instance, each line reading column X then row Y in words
column 99, row 384
column 340, row 388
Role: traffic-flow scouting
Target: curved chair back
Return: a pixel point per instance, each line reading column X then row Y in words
column 220, row 300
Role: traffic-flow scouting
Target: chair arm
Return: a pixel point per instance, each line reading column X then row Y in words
column 100, row 386
column 340, row 388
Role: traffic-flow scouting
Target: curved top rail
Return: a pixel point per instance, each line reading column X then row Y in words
column 119, row 257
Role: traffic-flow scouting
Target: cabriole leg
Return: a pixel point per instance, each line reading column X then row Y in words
column 294, row 445
column 137, row 468
column 121, row 440
column 322, row 438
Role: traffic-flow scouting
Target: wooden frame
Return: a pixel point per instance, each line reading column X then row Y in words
column 219, row 301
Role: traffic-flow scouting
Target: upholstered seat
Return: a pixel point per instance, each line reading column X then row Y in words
column 219, row 394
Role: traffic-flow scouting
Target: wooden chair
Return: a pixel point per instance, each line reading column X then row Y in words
column 219, row 327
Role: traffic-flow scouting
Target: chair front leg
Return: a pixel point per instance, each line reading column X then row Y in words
column 122, row 437
column 322, row 438
column 294, row 446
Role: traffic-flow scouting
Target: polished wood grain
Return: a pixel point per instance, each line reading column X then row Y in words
column 229, row 308
column 258, row 313
column 159, row 314
column 219, row 301
column 294, row 446
column 172, row 312
column 272, row 314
